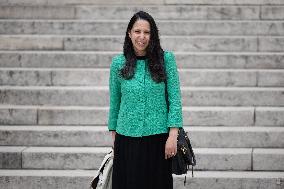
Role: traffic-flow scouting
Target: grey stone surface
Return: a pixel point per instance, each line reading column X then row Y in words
column 200, row 44
column 73, row 96
column 59, row 59
column 99, row 96
column 211, row 77
column 222, row 116
column 11, row 157
column 73, row 116
column 130, row 2
column 80, row 179
column 232, row 96
column 230, row 61
column 265, row 62
column 91, row 157
column 122, row 12
column 246, row 28
column 90, row 43
column 14, row 116
column 223, row 159
column 36, row 12
column 25, row 77
column 238, row 182
column 201, row 137
column 46, row 181
column 213, row 44
column 86, row 77
column 198, row 28
column 268, row 159
column 171, row 12
column 63, row 158
column 269, row 116
column 188, row 77
column 271, row 44
column 30, row 43
column 115, row 43
column 55, row 136
column 118, row 27
column 82, row 2
column 56, row 27
column 226, row 2
column 271, row 78
column 242, row 137
column 192, row 116
column 272, row 12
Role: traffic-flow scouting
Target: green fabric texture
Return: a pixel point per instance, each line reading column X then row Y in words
column 138, row 106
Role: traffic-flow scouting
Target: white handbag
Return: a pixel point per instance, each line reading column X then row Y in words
column 103, row 178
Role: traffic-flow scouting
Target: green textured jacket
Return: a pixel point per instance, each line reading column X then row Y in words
column 138, row 106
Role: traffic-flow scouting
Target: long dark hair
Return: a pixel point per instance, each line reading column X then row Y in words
column 154, row 51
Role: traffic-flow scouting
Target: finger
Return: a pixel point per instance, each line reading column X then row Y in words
column 166, row 155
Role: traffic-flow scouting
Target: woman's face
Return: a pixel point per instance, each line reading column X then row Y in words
column 140, row 36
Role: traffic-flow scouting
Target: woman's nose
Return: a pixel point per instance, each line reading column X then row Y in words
column 142, row 35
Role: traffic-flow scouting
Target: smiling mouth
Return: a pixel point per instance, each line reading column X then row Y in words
column 141, row 43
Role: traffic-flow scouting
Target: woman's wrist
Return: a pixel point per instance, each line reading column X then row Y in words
column 173, row 132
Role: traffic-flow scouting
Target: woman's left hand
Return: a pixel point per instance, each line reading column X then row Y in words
column 171, row 144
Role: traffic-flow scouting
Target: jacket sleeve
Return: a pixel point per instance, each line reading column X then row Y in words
column 114, row 95
column 174, row 93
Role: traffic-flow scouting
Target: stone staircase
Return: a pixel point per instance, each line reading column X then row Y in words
column 54, row 69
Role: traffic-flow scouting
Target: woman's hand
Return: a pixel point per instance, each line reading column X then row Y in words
column 113, row 133
column 171, row 144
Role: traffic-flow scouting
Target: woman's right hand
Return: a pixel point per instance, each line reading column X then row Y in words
column 113, row 133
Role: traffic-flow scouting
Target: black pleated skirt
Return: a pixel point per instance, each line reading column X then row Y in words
column 139, row 163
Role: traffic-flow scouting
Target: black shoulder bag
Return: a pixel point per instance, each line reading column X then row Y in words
column 185, row 155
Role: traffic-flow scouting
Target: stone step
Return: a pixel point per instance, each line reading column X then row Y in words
column 118, row 27
column 25, row 115
column 46, row 179
column 82, row 2
column 272, row 12
column 74, row 179
column 115, row 43
column 269, row 116
column 11, row 157
column 87, row 115
column 90, row 136
column 102, row 59
column 132, row 2
column 272, row 157
column 180, row 12
column 100, row 77
column 225, row 2
column 237, row 159
column 191, row 96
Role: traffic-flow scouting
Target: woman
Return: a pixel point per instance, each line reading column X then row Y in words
column 144, row 126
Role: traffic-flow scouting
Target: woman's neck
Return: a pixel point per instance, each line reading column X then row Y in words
column 140, row 53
